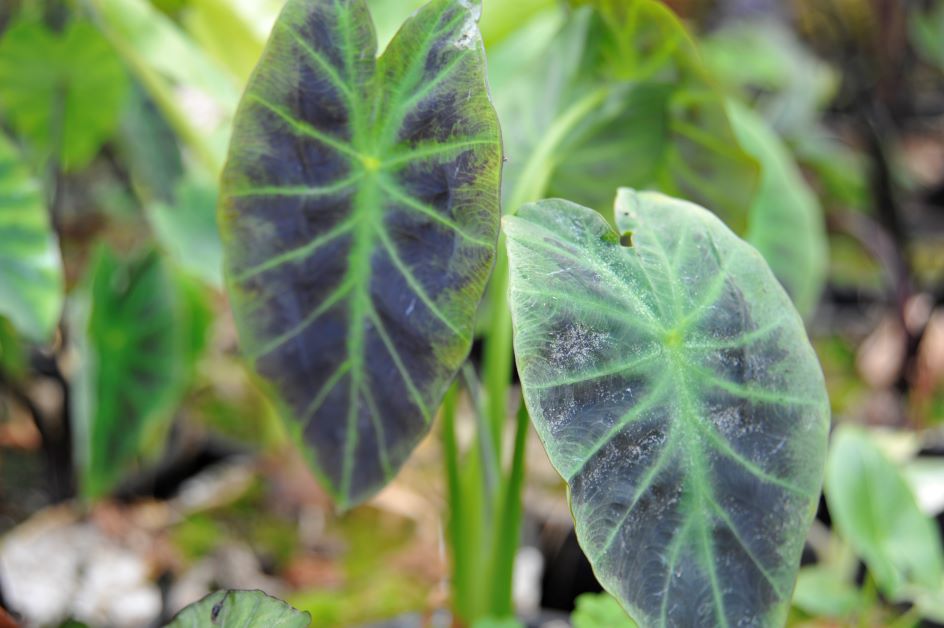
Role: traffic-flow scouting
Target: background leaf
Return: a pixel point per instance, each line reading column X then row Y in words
column 621, row 91
column 875, row 511
column 31, row 284
column 595, row 610
column 359, row 219
column 673, row 386
column 786, row 222
column 245, row 609
column 63, row 92
column 139, row 334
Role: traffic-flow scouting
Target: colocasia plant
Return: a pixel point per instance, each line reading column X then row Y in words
column 663, row 366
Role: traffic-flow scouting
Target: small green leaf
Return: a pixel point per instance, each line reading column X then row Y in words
column 786, row 221
column 31, row 284
column 63, row 92
column 137, row 338
column 675, row 390
column 359, row 217
column 240, row 609
column 874, row 509
column 599, row 610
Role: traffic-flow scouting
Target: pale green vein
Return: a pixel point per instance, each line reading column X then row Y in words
column 303, row 128
column 737, row 342
column 414, row 71
column 581, row 378
column 726, row 449
column 434, row 149
column 670, row 277
column 415, row 284
column 635, row 304
column 708, row 558
column 401, row 368
column 674, row 552
column 726, row 519
column 631, row 416
column 298, row 190
column 750, row 393
column 430, row 86
column 324, row 391
column 644, row 485
column 712, row 293
column 297, row 254
column 325, row 305
column 430, row 212
column 375, row 419
column 328, row 69
column 584, row 303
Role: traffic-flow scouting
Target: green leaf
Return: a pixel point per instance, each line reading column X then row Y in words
column 822, row 592
column 187, row 230
column 359, row 218
column 873, row 509
column 619, row 97
column 242, row 609
column 786, row 221
column 674, row 388
column 784, row 80
column 926, row 30
column 31, row 284
column 63, row 92
column 599, row 610
column 136, row 329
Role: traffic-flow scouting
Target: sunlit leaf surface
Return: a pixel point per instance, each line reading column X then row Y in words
column 359, row 218
column 63, row 118
column 30, row 265
column 240, row 609
column 675, row 390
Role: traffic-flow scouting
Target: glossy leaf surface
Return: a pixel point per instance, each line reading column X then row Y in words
column 61, row 117
column 31, row 285
column 135, row 328
column 875, row 511
column 785, row 222
column 675, row 390
column 359, row 219
column 240, row 609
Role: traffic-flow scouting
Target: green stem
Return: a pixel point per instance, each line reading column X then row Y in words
column 509, row 523
column 455, row 529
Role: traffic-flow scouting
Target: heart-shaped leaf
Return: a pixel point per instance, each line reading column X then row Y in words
column 63, row 92
column 30, row 264
column 673, row 386
column 359, row 219
column 243, row 609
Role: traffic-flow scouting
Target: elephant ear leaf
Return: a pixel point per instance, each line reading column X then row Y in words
column 672, row 383
column 359, row 214
column 243, row 609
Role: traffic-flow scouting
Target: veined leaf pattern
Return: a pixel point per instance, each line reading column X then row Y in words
column 672, row 383
column 360, row 217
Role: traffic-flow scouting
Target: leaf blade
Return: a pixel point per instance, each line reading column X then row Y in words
column 691, row 495
column 385, row 233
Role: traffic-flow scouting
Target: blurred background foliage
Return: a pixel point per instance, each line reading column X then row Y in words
column 140, row 467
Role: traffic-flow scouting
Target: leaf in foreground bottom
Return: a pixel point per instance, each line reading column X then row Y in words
column 673, row 385
column 243, row 609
